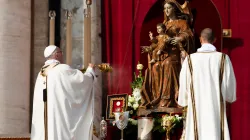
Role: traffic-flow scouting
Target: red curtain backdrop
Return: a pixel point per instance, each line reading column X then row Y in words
column 121, row 48
column 235, row 15
column 121, row 42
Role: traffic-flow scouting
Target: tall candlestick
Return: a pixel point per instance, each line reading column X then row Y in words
column 69, row 38
column 87, row 35
column 52, row 15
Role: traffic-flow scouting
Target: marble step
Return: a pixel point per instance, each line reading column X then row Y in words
column 14, row 136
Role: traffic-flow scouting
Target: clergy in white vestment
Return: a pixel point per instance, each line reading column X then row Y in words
column 70, row 100
column 204, row 93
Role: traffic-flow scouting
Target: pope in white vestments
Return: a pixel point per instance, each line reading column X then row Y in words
column 206, row 69
column 70, row 100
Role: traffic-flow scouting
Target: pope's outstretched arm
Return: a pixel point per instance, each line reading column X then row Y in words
column 90, row 71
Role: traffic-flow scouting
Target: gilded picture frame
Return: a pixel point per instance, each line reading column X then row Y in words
column 115, row 103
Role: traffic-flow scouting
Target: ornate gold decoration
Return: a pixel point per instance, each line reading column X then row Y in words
column 94, row 131
column 44, row 70
column 52, row 14
column 169, row 122
column 111, row 105
column 222, row 117
column 168, row 125
column 227, row 33
column 196, row 136
column 104, row 67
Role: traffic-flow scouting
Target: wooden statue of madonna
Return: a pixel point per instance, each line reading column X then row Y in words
column 174, row 42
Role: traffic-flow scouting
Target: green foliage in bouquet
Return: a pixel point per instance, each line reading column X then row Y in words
column 162, row 123
column 134, row 101
column 138, row 80
column 171, row 122
column 157, row 124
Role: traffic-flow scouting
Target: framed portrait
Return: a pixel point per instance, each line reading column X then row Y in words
column 116, row 103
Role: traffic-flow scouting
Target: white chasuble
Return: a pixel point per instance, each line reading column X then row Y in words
column 206, row 69
column 70, row 104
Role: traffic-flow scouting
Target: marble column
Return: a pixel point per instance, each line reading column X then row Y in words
column 40, row 37
column 77, row 7
column 15, row 39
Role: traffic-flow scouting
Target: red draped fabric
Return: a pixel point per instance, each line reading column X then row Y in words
column 235, row 15
column 122, row 20
column 121, row 48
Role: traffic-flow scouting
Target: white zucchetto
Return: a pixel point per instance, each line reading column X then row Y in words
column 49, row 50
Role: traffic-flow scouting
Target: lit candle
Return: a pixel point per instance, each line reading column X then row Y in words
column 87, row 35
column 69, row 38
column 52, row 15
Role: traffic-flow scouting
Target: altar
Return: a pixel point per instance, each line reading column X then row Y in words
column 165, row 41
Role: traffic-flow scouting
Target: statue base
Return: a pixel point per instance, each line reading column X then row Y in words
column 146, row 112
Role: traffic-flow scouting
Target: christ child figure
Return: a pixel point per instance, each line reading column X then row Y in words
column 159, row 42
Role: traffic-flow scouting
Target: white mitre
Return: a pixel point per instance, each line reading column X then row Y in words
column 49, row 50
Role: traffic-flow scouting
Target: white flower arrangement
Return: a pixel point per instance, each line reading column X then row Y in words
column 133, row 104
column 139, row 66
column 137, row 94
column 131, row 99
column 134, row 100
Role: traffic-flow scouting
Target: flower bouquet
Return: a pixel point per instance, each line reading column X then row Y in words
column 134, row 99
column 170, row 122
